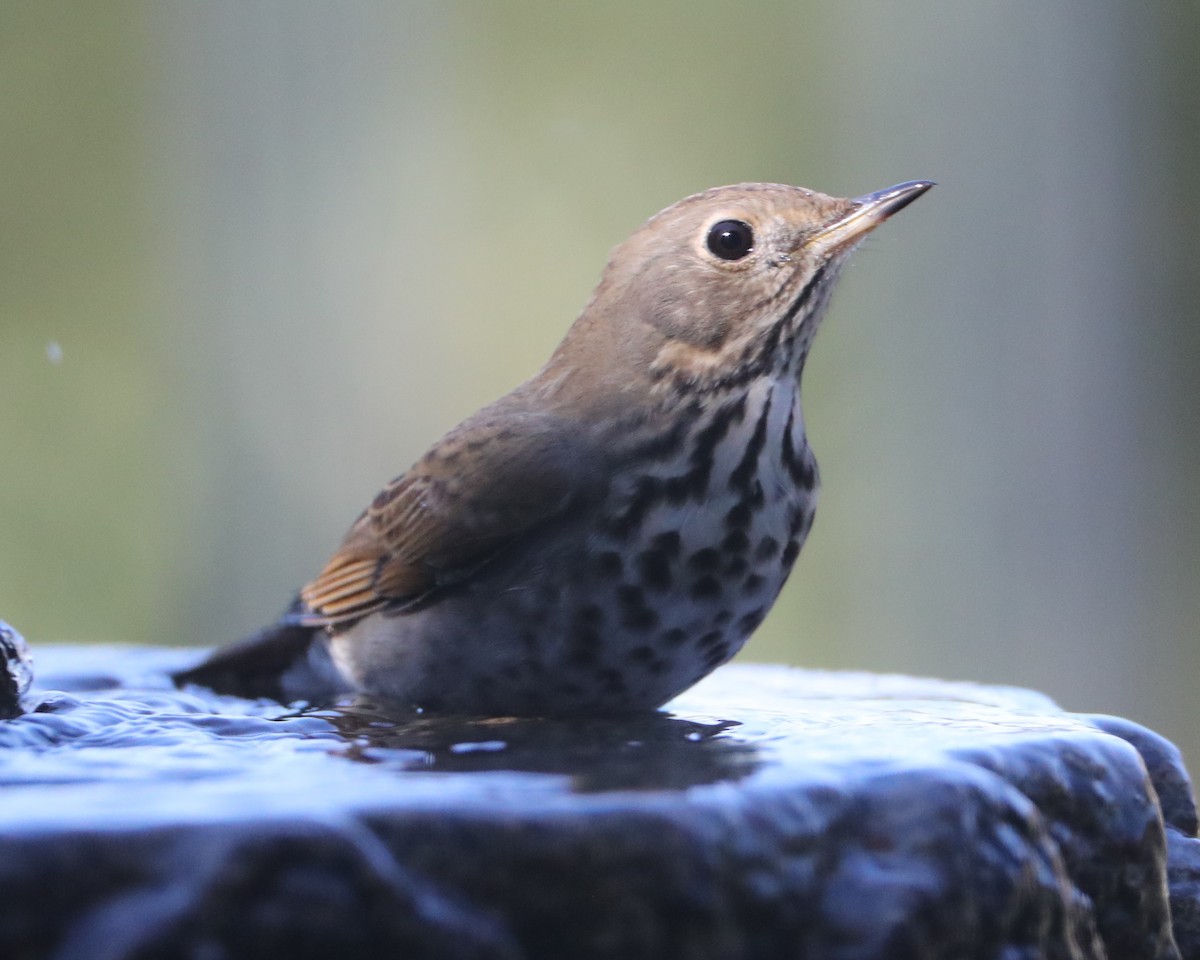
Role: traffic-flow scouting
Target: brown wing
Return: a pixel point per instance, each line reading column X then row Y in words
column 486, row 482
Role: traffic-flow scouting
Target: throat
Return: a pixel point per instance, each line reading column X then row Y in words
column 773, row 353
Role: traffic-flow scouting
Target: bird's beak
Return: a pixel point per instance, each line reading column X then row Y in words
column 866, row 213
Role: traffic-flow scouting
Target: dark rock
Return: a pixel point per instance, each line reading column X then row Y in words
column 16, row 670
column 1183, row 880
column 773, row 813
column 1164, row 763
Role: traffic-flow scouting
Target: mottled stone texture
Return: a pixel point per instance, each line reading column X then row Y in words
column 773, row 813
column 16, row 670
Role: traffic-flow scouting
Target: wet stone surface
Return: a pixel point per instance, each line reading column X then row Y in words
column 770, row 813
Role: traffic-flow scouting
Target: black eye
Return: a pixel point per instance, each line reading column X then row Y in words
column 730, row 239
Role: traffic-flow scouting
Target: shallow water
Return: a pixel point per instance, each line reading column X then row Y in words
column 108, row 741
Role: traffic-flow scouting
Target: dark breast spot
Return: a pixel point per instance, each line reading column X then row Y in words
column 735, row 541
column 654, row 569
column 706, row 588
column 583, row 646
column 635, row 614
column 751, row 621
column 717, row 655
column 677, row 490
column 610, row 565
column 630, row 595
column 787, row 452
column 740, row 514
column 704, row 561
column 790, row 553
column 799, row 461
column 694, row 483
column 767, row 547
column 709, row 640
column 746, row 472
column 668, row 542
column 806, row 475
column 673, row 637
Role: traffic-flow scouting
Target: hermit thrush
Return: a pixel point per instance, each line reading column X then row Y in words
column 616, row 527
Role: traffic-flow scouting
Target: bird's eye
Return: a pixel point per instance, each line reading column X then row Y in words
column 730, row 239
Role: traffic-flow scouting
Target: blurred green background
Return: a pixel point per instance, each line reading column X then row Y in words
column 256, row 256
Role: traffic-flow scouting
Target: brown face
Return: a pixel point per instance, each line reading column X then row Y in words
column 719, row 265
column 733, row 276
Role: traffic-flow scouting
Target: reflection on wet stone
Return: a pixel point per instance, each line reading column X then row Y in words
column 655, row 752
column 771, row 813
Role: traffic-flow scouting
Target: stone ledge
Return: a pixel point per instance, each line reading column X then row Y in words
column 773, row 813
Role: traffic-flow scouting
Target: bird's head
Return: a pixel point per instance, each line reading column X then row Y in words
column 727, row 280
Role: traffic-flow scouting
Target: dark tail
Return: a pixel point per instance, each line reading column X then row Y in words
column 284, row 661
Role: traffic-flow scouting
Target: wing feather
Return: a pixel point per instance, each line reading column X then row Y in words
column 489, row 481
